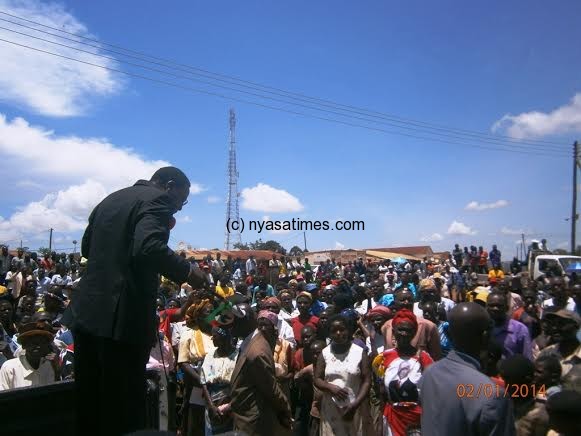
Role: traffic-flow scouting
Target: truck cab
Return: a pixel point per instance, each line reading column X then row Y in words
column 557, row 264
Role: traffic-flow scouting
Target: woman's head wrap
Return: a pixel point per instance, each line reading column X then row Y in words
column 272, row 300
column 379, row 310
column 405, row 315
column 196, row 310
column 267, row 314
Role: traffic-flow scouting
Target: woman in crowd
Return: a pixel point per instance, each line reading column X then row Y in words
column 400, row 369
column 343, row 376
column 282, row 350
column 195, row 343
column 304, row 301
column 287, row 309
column 216, row 374
column 375, row 343
column 323, row 326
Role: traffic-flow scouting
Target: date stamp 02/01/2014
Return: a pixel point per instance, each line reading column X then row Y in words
column 493, row 390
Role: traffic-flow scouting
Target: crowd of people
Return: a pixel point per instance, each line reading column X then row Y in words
column 369, row 347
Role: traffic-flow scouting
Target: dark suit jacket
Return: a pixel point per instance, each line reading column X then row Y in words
column 257, row 399
column 126, row 247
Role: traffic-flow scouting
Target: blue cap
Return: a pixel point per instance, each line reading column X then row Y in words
column 311, row 287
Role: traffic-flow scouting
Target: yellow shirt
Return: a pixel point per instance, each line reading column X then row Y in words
column 224, row 291
column 496, row 274
column 194, row 345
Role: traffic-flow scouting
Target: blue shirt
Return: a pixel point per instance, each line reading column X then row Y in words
column 446, row 408
column 317, row 307
column 445, row 342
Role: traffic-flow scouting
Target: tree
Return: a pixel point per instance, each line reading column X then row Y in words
column 295, row 251
column 560, row 251
column 241, row 246
column 262, row 245
column 45, row 252
column 272, row 246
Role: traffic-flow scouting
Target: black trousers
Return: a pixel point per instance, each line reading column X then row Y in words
column 109, row 385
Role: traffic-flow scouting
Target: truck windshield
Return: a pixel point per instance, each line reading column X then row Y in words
column 567, row 261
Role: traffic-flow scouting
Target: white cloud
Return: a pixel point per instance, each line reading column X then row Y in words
column 339, row 246
column 81, row 165
column 434, row 237
column 508, row 231
column 474, row 205
column 47, row 84
column 196, row 188
column 535, row 124
column 265, row 198
column 212, row 199
column 458, row 228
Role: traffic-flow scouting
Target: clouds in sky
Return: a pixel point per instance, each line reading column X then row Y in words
column 265, row 198
column 458, row 228
column 476, row 206
column 83, row 165
column 212, row 199
column 434, row 237
column 46, row 84
column 536, row 124
column 508, row 231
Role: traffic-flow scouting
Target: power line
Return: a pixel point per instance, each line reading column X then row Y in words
column 286, row 94
column 534, row 147
column 197, row 90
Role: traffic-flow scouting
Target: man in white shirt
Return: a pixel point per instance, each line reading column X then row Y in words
column 33, row 367
column 218, row 265
column 390, row 273
column 43, row 282
column 560, row 299
column 250, row 265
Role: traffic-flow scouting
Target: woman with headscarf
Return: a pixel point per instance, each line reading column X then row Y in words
column 195, row 343
column 285, row 331
column 375, row 342
column 282, row 350
column 216, row 374
column 400, row 369
column 343, row 376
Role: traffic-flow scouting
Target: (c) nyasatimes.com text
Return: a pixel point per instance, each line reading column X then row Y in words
column 293, row 225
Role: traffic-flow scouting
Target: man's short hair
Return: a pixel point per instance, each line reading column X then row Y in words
column 165, row 174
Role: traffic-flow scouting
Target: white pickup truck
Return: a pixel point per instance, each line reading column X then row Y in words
column 540, row 263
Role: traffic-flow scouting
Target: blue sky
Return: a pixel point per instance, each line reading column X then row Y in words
column 65, row 128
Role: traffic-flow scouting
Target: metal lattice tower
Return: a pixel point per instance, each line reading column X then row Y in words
column 232, row 212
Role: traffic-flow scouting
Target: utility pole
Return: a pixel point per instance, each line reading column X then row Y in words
column 305, row 237
column 574, row 206
column 50, row 241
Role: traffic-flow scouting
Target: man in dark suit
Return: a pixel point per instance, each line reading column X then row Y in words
column 258, row 404
column 114, row 311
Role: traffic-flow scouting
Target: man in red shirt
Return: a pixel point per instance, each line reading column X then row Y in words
column 483, row 260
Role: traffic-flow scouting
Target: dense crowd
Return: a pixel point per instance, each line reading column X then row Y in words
column 436, row 347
